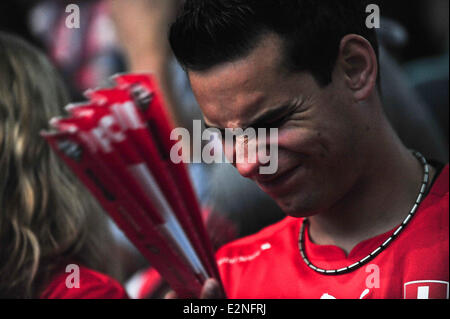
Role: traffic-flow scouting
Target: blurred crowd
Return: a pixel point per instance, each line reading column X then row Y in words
column 130, row 36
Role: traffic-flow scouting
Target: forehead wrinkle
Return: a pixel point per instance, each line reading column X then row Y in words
column 233, row 93
column 235, row 111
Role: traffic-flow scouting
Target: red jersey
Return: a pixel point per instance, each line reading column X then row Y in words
column 268, row 265
column 91, row 285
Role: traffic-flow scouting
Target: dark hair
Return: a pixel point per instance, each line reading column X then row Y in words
column 210, row 32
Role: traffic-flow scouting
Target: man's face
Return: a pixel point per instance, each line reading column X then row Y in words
column 318, row 127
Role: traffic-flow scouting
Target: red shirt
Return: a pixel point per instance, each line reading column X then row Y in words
column 268, row 265
column 92, row 285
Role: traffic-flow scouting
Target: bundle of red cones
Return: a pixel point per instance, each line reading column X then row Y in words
column 118, row 144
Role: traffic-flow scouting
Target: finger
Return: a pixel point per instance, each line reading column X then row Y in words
column 211, row 290
column 171, row 295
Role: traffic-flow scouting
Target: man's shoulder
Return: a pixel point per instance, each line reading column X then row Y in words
column 437, row 200
column 441, row 186
column 429, row 228
column 266, row 237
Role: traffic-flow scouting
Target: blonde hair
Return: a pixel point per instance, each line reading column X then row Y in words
column 44, row 213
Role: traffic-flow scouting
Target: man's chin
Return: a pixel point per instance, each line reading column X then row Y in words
column 298, row 208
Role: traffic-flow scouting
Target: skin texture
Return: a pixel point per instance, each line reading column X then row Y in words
column 340, row 162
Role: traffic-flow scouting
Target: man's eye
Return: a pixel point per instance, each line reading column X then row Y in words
column 276, row 123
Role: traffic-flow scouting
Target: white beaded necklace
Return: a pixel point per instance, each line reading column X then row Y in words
column 380, row 248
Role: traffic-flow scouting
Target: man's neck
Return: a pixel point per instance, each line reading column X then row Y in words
column 379, row 201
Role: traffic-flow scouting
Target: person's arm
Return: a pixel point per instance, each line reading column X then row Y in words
column 142, row 28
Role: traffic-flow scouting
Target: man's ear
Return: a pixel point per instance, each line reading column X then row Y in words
column 358, row 63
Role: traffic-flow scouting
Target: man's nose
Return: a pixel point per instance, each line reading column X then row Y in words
column 246, row 169
column 246, row 158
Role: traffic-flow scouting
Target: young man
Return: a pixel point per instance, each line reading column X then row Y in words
column 368, row 218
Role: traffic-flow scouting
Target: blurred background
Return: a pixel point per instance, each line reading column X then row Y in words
column 130, row 36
